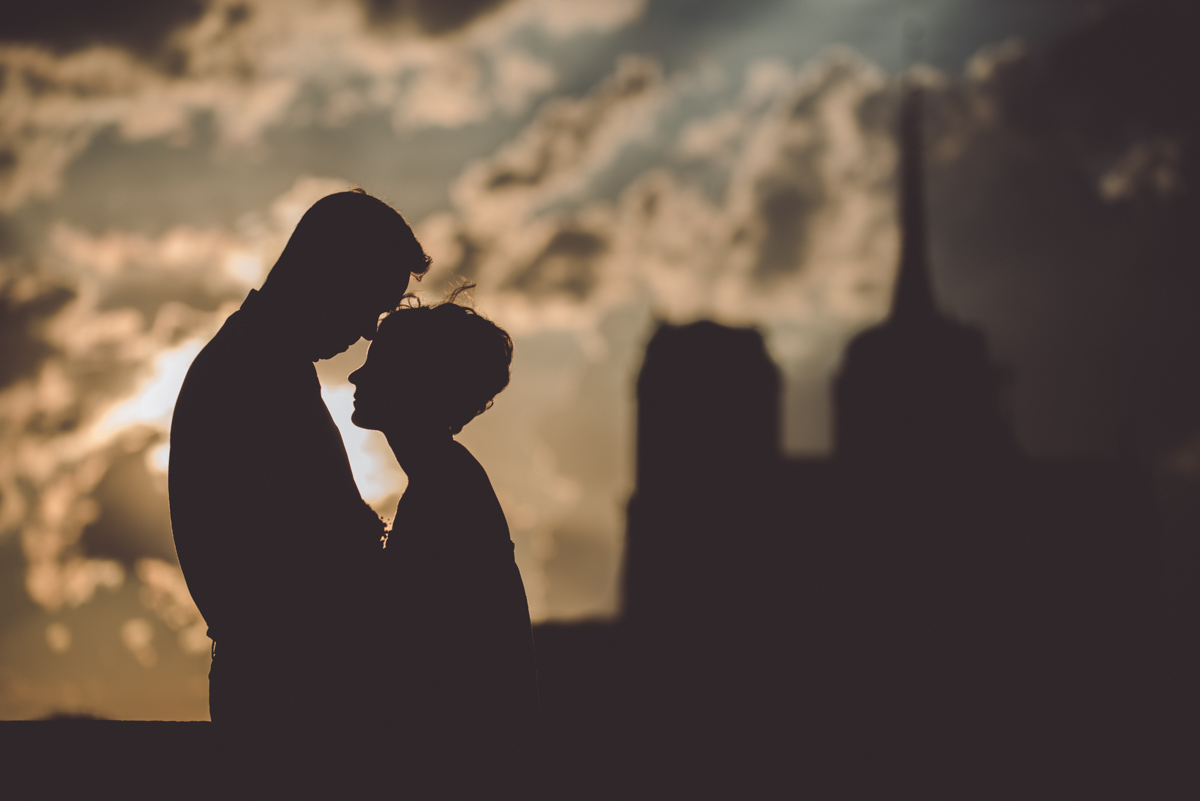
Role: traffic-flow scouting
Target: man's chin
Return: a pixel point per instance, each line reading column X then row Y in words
column 328, row 347
column 329, row 353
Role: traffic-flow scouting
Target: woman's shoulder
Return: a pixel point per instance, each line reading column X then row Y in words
column 459, row 508
column 465, row 467
column 467, row 478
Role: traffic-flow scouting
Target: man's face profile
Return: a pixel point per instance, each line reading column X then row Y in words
column 347, row 263
column 344, row 329
column 357, row 315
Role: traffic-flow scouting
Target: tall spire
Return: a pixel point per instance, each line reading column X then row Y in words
column 913, row 297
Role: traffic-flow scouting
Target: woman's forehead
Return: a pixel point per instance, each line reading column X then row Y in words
column 396, row 336
column 398, row 325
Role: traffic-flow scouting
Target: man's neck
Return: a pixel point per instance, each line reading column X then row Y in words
column 276, row 323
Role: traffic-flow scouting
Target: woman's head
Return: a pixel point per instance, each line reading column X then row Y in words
column 434, row 366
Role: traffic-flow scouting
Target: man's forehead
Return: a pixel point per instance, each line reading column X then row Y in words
column 387, row 301
column 383, row 295
column 397, row 282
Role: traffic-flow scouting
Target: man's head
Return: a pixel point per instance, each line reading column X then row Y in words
column 347, row 262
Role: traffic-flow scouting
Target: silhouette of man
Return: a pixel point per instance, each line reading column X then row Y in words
column 271, row 531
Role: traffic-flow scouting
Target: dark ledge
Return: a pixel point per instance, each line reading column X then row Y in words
column 91, row 758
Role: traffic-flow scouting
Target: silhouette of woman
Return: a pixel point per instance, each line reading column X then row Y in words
column 459, row 701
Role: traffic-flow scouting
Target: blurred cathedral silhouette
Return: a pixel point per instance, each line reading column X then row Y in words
column 928, row 612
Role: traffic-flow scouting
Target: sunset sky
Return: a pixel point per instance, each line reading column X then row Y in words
column 593, row 167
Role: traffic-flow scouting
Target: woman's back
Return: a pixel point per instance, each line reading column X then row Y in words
column 464, row 690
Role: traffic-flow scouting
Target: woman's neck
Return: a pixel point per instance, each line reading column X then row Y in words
column 421, row 452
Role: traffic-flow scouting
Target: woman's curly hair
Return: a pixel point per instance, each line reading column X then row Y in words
column 465, row 358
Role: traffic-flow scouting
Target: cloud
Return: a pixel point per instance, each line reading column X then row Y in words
column 50, row 469
column 87, row 415
column 565, row 146
column 164, row 591
column 137, row 634
column 255, row 65
column 85, row 411
column 431, row 16
column 800, row 226
column 134, row 519
column 25, row 305
column 559, row 18
column 142, row 26
column 58, row 638
column 1149, row 169
column 1107, row 94
column 803, row 224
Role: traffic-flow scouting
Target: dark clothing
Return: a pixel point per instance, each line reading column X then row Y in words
column 461, row 688
column 269, row 526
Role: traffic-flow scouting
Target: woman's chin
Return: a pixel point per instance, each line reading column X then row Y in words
column 362, row 421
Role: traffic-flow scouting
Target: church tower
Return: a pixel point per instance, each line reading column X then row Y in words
column 918, row 388
column 925, row 506
column 707, row 447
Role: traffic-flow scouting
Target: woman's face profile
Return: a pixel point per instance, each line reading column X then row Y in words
column 384, row 385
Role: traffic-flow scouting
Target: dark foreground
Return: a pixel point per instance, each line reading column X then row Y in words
column 81, row 758
column 610, row 736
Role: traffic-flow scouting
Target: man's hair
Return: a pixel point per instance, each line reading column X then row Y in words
column 466, row 355
column 348, row 236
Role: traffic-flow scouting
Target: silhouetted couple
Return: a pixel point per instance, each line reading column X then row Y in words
column 344, row 656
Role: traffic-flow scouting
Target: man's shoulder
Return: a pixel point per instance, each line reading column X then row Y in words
column 236, row 359
column 228, row 350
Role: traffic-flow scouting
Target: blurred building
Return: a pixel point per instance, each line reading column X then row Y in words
column 927, row 610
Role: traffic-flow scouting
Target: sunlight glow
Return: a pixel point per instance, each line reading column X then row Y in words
column 155, row 401
column 58, row 637
column 245, row 267
column 378, row 476
column 158, row 457
column 137, row 634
